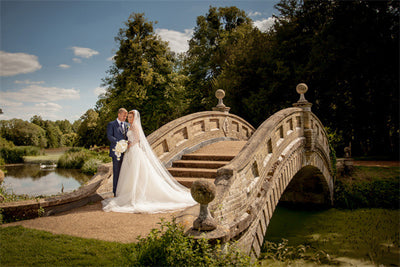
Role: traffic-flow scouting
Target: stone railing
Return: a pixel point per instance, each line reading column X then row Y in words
column 194, row 131
column 238, row 183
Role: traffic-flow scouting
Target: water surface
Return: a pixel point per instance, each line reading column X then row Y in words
column 29, row 179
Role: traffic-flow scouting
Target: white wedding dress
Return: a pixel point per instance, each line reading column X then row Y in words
column 144, row 185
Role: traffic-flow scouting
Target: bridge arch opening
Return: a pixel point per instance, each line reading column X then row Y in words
column 307, row 189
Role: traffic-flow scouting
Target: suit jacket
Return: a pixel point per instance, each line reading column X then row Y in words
column 115, row 133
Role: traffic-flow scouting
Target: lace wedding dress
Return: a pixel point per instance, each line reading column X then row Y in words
column 144, row 185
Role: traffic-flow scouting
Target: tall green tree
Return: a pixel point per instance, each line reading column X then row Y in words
column 87, row 130
column 142, row 77
column 214, row 35
column 64, row 125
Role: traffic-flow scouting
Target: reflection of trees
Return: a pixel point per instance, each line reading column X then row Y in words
column 74, row 173
column 26, row 171
column 34, row 172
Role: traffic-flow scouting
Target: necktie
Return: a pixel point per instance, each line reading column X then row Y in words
column 122, row 126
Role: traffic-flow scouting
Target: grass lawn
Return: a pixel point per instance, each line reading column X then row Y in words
column 51, row 154
column 26, row 247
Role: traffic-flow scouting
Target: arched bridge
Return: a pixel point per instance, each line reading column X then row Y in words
column 286, row 159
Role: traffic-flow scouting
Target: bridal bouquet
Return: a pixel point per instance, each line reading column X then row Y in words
column 120, row 147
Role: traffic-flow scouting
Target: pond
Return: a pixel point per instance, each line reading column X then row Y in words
column 31, row 180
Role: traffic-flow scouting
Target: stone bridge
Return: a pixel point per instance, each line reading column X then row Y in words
column 286, row 159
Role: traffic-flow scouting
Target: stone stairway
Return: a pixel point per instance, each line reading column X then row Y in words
column 204, row 162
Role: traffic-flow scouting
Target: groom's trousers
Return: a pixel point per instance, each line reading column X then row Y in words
column 116, row 169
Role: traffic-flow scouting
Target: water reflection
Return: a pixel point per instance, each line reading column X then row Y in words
column 31, row 180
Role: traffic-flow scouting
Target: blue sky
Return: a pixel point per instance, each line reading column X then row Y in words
column 54, row 54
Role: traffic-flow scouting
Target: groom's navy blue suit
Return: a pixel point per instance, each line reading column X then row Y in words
column 115, row 133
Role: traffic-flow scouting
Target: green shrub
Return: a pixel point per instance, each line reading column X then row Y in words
column 368, row 194
column 82, row 158
column 29, row 150
column 169, row 246
column 90, row 166
column 76, row 149
column 6, row 143
column 73, row 160
column 368, row 187
column 11, row 155
column 284, row 253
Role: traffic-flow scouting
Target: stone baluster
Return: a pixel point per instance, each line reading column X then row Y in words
column 204, row 191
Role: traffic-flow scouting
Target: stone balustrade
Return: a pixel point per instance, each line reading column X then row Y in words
column 194, row 131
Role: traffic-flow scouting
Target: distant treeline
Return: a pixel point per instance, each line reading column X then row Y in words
column 347, row 52
column 40, row 133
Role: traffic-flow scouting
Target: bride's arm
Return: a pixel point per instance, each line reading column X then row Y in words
column 135, row 135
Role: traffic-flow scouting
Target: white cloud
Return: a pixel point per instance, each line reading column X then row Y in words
column 48, row 111
column 37, row 93
column 9, row 103
column 18, row 63
column 264, row 24
column 64, row 66
column 28, row 82
column 48, row 107
column 254, row 14
column 77, row 60
column 84, row 52
column 111, row 58
column 178, row 41
column 99, row 90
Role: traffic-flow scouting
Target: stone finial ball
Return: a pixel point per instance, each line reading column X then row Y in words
column 220, row 94
column 301, row 88
column 203, row 191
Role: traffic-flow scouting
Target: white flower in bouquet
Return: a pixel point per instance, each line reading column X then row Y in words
column 120, row 147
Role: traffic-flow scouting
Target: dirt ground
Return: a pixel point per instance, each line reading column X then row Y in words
column 91, row 221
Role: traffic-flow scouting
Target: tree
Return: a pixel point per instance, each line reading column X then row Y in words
column 209, row 48
column 249, row 78
column 64, row 125
column 142, row 77
column 87, row 128
column 53, row 134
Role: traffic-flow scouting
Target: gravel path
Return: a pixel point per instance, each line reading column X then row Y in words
column 91, row 221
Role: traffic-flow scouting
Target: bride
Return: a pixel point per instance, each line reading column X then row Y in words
column 144, row 185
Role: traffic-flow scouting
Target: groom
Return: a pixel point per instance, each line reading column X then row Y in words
column 116, row 131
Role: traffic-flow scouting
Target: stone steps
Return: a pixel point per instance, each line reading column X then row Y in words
column 207, row 164
column 188, row 181
column 204, row 162
column 209, row 157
